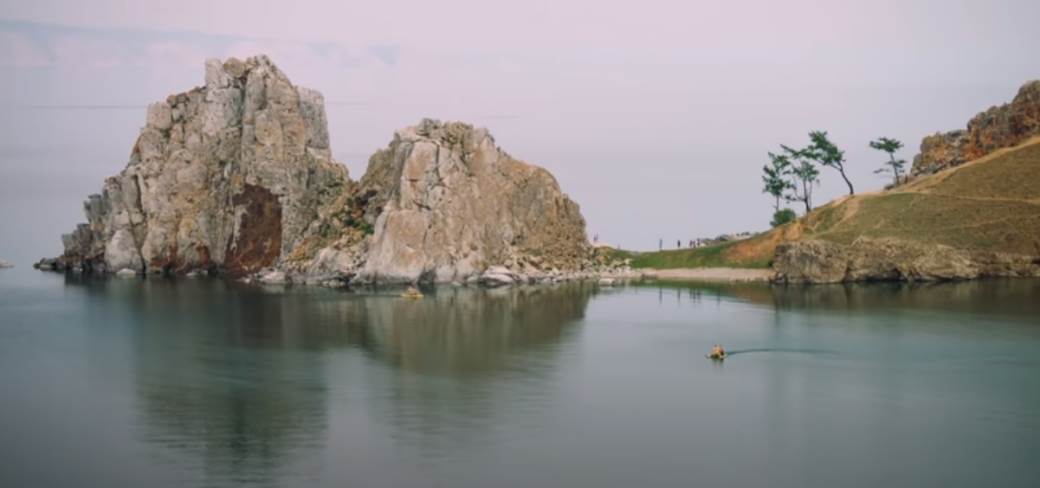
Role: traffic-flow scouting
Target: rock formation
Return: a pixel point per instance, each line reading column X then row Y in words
column 226, row 176
column 449, row 204
column 996, row 128
column 886, row 259
column 236, row 177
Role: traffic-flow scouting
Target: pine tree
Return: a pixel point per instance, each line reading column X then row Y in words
column 804, row 173
column 822, row 150
column 893, row 165
column 775, row 178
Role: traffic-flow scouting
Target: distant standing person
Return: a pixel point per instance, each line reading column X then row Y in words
column 678, row 243
column 660, row 244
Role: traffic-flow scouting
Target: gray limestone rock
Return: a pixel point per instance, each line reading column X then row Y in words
column 226, row 176
column 448, row 203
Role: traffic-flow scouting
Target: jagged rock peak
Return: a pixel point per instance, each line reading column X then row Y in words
column 996, row 128
column 227, row 176
column 236, row 176
column 448, row 203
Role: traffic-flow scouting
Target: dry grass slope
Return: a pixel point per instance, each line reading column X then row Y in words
column 990, row 204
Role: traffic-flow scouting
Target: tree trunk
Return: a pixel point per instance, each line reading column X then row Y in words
column 806, row 198
column 846, row 178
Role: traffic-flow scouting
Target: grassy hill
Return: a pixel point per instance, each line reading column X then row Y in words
column 990, row 204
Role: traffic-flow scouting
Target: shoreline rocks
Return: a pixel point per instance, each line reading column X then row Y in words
column 884, row 259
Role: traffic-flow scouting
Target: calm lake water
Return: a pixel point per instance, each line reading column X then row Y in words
column 203, row 383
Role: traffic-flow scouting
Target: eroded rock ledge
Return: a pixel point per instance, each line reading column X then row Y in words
column 867, row 259
column 236, row 178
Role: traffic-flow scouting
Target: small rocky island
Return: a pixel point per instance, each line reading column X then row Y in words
column 237, row 178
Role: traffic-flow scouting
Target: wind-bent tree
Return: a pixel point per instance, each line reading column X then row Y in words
column 774, row 178
column 827, row 154
column 804, row 173
column 893, row 165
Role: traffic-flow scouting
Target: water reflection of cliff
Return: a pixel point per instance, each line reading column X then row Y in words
column 469, row 331
column 223, row 389
column 465, row 361
column 236, row 380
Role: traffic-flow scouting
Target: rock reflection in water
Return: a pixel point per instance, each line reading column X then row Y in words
column 220, row 376
column 465, row 361
column 238, row 379
column 468, row 331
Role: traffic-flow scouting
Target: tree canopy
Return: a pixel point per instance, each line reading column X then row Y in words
column 775, row 177
column 893, row 165
column 825, row 152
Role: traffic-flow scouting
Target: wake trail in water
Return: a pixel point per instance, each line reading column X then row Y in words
column 778, row 349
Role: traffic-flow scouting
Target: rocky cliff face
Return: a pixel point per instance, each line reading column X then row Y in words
column 867, row 259
column 996, row 128
column 237, row 177
column 226, row 176
column 448, row 203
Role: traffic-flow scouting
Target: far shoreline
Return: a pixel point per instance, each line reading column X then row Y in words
column 713, row 274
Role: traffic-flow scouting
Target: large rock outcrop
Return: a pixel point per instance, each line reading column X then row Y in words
column 996, row 128
column 886, row 259
column 226, row 176
column 236, row 177
column 448, row 203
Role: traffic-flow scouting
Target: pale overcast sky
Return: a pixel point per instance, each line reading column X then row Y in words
column 655, row 116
